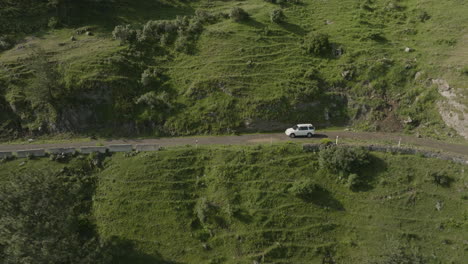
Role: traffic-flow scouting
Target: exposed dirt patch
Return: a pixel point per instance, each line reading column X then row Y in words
column 391, row 123
column 453, row 113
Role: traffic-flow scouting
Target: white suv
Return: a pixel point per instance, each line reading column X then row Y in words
column 300, row 130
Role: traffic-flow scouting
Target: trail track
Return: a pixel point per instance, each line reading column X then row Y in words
column 372, row 138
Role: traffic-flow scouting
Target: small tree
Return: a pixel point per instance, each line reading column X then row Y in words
column 238, row 14
column 45, row 86
column 277, row 16
column 317, row 44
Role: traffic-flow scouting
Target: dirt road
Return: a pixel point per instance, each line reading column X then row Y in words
column 259, row 138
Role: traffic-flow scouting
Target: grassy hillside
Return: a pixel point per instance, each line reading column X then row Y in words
column 216, row 75
column 276, row 204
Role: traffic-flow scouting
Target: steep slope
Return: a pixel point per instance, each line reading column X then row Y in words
column 272, row 204
column 210, row 74
column 233, row 205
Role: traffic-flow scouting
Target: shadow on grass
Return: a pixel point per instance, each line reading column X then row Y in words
column 370, row 174
column 243, row 216
column 320, row 136
column 324, row 198
column 124, row 252
column 295, row 29
column 253, row 23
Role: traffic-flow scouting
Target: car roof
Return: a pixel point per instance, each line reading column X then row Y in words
column 304, row 125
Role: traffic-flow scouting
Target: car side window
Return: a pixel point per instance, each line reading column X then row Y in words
column 311, row 128
column 302, row 128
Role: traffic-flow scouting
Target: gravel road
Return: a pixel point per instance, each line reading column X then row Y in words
column 258, row 138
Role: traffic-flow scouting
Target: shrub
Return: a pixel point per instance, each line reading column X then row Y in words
column 95, row 160
column 53, row 22
column 195, row 27
column 238, row 14
column 155, row 30
column 440, row 178
column 183, row 44
column 326, row 142
column 150, row 76
column 317, row 44
column 206, row 17
column 124, row 33
column 304, row 189
column 5, row 43
column 343, row 159
column 277, row 16
column 150, row 99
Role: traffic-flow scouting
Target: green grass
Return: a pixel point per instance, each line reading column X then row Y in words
column 254, row 69
column 151, row 199
column 233, row 205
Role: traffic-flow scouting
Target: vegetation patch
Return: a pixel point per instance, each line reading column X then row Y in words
column 233, row 204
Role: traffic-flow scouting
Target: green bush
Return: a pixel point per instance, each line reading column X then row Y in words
column 304, row 189
column 317, row 44
column 183, row 44
column 277, row 16
column 53, row 22
column 151, row 76
column 238, row 14
column 124, row 33
column 326, row 142
column 343, row 159
column 440, row 178
column 5, row 44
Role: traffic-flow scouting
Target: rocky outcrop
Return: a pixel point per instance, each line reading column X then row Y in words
column 451, row 110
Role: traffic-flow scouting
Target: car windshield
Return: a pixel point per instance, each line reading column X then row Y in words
column 294, row 127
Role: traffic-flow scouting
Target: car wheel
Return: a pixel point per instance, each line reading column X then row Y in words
column 292, row 135
column 309, row 135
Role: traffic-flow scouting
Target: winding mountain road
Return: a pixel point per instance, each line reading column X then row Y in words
column 370, row 137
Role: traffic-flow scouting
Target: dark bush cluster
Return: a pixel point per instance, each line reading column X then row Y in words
column 317, row 44
column 345, row 160
column 238, row 14
column 277, row 16
column 180, row 32
column 440, row 178
column 4, row 45
column 124, row 33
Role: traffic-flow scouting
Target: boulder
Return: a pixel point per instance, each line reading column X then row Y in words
column 418, row 76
